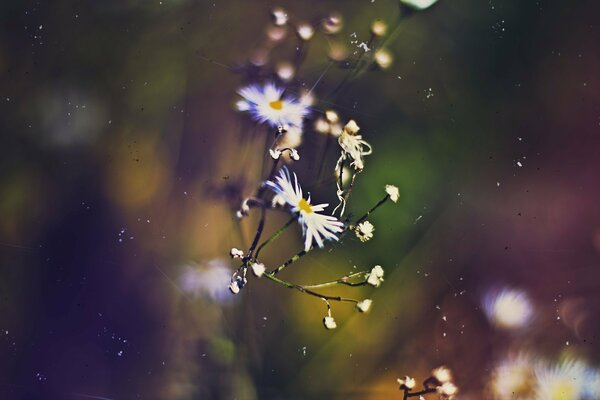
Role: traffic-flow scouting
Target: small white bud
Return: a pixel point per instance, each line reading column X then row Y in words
column 332, row 116
column 375, row 277
column 365, row 305
column 236, row 253
column 329, row 322
column 351, row 127
column 393, row 192
column 294, row 154
column 407, row 382
column 258, row 269
column 275, row 153
column 234, row 287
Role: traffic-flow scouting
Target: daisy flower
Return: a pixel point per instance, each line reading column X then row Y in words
column 513, row 378
column 267, row 104
column 565, row 381
column 315, row 227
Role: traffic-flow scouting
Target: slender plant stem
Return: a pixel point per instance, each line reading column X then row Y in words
column 375, row 207
column 259, row 230
column 274, row 236
column 341, row 281
column 408, row 394
column 297, row 256
column 307, row 291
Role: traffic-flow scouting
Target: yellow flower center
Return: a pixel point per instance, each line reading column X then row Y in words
column 563, row 390
column 276, row 105
column 304, row 206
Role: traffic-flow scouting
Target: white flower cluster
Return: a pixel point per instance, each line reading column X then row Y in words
column 439, row 382
column 277, row 100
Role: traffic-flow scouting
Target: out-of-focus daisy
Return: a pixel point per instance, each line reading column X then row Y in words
column 565, row 381
column 419, row 4
column 364, row 231
column 315, row 227
column 209, row 280
column 591, row 388
column 353, row 146
column 508, row 308
column 513, row 378
column 267, row 104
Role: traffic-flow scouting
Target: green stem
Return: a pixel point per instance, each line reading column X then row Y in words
column 375, row 207
column 274, row 236
column 297, row 256
column 304, row 290
column 342, row 281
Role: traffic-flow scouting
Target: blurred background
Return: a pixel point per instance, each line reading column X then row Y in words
column 124, row 160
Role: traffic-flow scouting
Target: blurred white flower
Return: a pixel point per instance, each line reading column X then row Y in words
column 305, row 31
column 290, row 139
column 383, row 58
column 375, row 276
column 364, row 231
column 379, row 27
column 332, row 24
column 279, row 16
column 316, row 227
column 364, row 306
column 329, row 322
column 267, row 104
column 513, row 378
column 285, row 71
column 209, row 280
column 442, row 374
column 447, row 390
column 564, row 381
column 407, row 382
column 508, row 308
column 393, row 192
column 419, row 4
